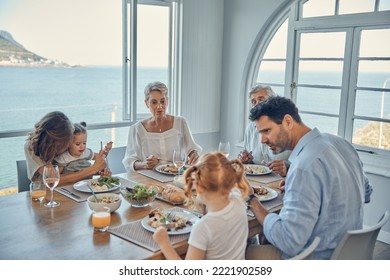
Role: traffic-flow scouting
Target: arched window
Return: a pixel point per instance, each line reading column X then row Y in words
column 332, row 58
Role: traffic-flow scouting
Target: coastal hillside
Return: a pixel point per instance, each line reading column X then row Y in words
column 13, row 53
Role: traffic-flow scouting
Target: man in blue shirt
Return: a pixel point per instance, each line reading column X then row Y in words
column 325, row 186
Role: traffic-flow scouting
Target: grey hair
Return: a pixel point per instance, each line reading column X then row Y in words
column 158, row 86
column 258, row 87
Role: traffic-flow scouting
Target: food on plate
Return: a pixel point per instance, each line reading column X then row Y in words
column 255, row 169
column 104, row 183
column 260, row 190
column 170, row 168
column 173, row 194
column 170, row 220
column 107, row 199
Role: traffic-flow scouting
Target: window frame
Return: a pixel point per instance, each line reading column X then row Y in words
column 346, row 23
column 129, row 66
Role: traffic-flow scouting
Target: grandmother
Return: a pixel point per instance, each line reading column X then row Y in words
column 152, row 141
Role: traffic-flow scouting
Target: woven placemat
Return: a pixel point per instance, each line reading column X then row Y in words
column 265, row 179
column 135, row 233
column 163, row 178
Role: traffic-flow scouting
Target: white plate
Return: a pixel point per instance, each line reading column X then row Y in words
column 158, row 169
column 272, row 194
column 82, row 186
column 257, row 169
column 185, row 230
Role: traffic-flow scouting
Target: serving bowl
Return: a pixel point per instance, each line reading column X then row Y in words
column 110, row 200
column 137, row 197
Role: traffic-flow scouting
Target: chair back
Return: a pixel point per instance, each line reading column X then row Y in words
column 359, row 244
column 305, row 254
column 23, row 180
column 114, row 160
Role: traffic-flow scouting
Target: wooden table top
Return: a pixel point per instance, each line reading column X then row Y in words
column 30, row 230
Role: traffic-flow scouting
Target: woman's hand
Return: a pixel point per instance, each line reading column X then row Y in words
column 193, row 157
column 152, row 161
column 100, row 162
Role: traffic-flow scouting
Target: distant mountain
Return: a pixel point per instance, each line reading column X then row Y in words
column 14, row 54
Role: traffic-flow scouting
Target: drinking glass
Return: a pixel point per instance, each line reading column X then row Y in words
column 179, row 160
column 51, row 178
column 37, row 191
column 101, row 219
column 224, row 148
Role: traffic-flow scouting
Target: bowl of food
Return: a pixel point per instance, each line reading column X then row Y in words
column 139, row 195
column 110, row 200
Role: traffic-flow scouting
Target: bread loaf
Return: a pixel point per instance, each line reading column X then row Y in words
column 173, row 194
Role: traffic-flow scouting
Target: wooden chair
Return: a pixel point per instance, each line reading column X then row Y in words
column 305, row 254
column 359, row 244
column 114, row 160
column 23, row 180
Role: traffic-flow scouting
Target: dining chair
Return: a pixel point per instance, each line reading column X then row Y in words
column 359, row 244
column 114, row 160
column 305, row 254
column 23, row 180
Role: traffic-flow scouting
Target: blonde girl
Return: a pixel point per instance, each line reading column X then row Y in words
column 221, row 233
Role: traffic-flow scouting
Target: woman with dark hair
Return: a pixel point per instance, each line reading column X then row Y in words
column 50, row 138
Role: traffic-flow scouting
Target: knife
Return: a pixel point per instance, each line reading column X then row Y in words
column 70, row 193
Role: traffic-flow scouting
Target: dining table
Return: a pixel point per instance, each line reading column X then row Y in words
column 29, row 230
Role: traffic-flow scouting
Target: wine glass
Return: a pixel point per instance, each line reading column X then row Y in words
column 179, row 160
column 224, row 148
column 51, row 178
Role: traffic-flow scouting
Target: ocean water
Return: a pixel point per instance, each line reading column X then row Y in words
column 90, row 94
column 94, row 95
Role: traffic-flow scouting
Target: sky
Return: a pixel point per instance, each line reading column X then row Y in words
column 85, row 32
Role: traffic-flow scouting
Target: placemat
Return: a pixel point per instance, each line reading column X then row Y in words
column 135, row 233
column 83, row 196
column 163, row 178
column 265, row 178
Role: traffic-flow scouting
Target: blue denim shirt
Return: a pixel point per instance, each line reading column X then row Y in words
column 324, row 196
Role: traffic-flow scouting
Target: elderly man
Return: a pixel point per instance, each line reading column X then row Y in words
column 325, row 186
column 254, row 151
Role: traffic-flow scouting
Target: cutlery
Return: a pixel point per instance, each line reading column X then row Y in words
column 70, row 193
column 94, row 195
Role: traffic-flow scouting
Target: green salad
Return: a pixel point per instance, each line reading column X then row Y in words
column 139, row 192
column 108, row 181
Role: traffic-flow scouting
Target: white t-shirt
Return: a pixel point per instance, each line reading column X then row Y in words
column 223, row 234
column 142, row 143
column 260, row 152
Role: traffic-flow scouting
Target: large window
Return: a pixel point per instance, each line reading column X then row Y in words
column 82, row 58
column 336, row 68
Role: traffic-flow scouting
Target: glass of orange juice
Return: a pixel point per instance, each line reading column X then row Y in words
column 101, row 219
column 37, row 191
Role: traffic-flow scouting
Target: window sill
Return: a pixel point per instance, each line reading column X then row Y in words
column 376, row 164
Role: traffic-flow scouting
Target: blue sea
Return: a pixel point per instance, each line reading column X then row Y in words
column 94, row 95
column 90, row 94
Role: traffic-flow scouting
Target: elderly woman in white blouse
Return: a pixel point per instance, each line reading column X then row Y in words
column 152, row 141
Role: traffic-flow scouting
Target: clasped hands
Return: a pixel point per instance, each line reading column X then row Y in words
column 152, row 160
